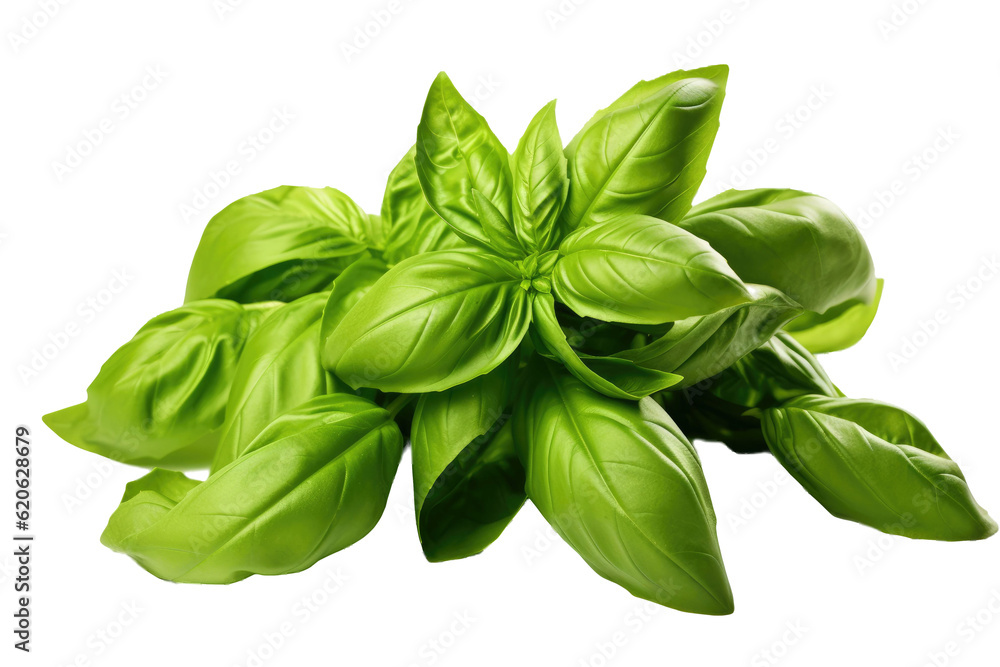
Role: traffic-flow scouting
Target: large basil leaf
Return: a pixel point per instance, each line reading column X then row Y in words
column 838, row 328
column 315, row 481
column 278, row 245
column 413, row 227
column 614, row 377
column 648, row 157
column 620, row 483
column 875, row 464
column 467, row 480
column 541, row 183
column 349, row 288
column 279, row 369
column 457, row 153
column 160, row 400
column 432, row 322
column 797, row 242
column 639, row 270
column 646, row 89
column 699, row 347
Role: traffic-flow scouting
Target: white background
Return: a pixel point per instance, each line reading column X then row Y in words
column 883, row 98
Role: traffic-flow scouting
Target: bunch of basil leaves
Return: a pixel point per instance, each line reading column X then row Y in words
column 553, row 324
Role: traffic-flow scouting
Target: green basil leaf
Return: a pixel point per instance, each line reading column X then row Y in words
column 315, row 481
column 432, row 322
column 797, row 242
column 279, row 369
column 349, row 288
column 457, row 153
column 620, row 483
column 875, row 464
column 838, row 328
column 776, row 372
column 413, row 227
column 644, row 90
column 503, row 241
column 648, row 157
column 278, row 245
column 637, row 269
column 614, row 377
column 468, row 482
column 541, row 182
column 699, row 347
column 160, row 400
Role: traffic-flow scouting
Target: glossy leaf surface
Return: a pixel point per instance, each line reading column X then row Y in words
column 540, row 182
column 797, row 242
column 278, row 245
column 646, row 157
column 620, row 483
column 644, row 90
column 875, row 464
column 638, row 269
column 432, row 322
column 457, row 153
column 315, row 481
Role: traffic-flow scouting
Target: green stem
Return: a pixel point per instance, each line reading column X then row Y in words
column 398, row 403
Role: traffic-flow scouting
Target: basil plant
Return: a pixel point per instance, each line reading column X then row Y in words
column 552, row 324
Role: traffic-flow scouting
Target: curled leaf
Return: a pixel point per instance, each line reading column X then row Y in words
column 795, row 241
column 278, row 245
column 467, row 480
column 315, row 481
column 160, row 400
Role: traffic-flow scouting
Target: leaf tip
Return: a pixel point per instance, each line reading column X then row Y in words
column 61, row 422
column 442, row 80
